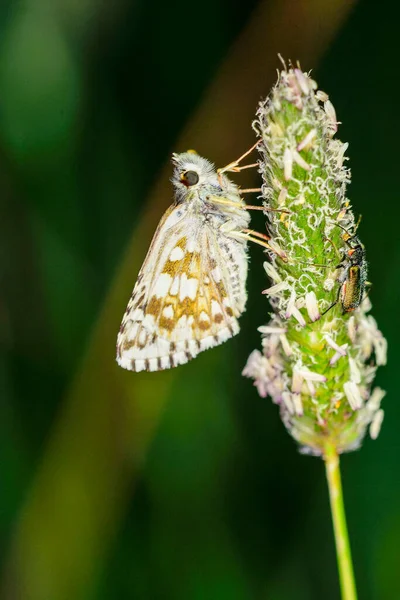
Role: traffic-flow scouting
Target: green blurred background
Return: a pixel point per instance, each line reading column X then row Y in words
column 183, row 484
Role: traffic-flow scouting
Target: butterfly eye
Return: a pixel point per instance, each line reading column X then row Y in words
column 190, row 178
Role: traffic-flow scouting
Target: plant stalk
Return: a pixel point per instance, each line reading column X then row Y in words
column 343, row 553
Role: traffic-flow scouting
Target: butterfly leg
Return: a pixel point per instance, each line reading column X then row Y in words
column 233, row 167
column 264, row 208
column 257, row 238
column 226, row 202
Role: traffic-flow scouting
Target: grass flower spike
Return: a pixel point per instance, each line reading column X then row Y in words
column 321, row 348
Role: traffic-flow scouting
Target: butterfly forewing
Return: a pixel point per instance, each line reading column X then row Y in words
column 186, row 308
column 189, row 292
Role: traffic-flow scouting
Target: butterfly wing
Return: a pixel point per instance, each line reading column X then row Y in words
column 188, row 294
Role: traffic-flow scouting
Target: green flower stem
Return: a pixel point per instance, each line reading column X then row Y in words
column 345, row 564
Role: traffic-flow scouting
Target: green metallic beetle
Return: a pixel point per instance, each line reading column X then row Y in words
column 353, row 279
column 354, row 276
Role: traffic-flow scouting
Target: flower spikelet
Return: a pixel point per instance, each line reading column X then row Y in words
column 321, row 348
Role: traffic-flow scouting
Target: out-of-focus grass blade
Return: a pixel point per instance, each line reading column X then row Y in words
column 80, row 492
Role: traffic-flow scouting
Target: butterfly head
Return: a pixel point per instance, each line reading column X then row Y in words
column 193, row 173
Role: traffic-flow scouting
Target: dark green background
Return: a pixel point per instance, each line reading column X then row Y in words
column 92, row 99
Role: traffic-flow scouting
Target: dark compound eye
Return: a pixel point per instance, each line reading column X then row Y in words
column 190, row 178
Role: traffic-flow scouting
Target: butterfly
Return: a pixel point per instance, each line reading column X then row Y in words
column 191, row 288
